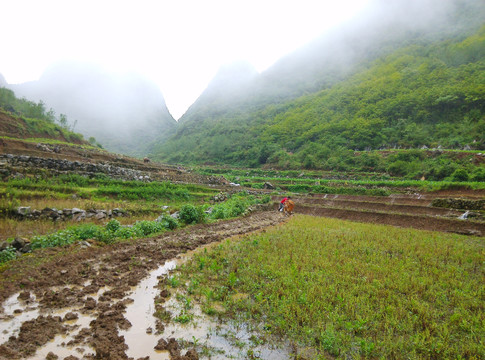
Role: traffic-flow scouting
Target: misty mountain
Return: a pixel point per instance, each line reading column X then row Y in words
column 331, row 91
column 122, row 111
column 3, row 82
column 223, row 92
column 339, row 53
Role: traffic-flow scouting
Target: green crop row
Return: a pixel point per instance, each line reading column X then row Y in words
column 236, row 205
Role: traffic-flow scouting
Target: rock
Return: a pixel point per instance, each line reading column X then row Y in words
column 79, row 216
column 26, row 248
column 4, row 245
column 85, row 244
column 76, row 211
column 100, row 215
column 175, row 215
column 161, row 345
column 191, row 355
column 24, row 295
column 51, row 356
column 50, row 213
column 23, row 210
column 90, row 303
column 19, row 243
column 71, row 316
column 268, row 185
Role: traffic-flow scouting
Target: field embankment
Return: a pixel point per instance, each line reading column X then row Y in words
column 414, row 211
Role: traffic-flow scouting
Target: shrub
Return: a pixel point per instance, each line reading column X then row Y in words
column 169, row 222
column 7, row 254
column 113, row 225
column 460, row 175
column 478, row 174
column 85, row 232
column 265, row 199
column 125, row 233
column 146, row 227
column 189, row 214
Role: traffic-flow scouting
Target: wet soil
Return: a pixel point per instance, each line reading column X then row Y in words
column 465, row 227
column 403, row 210
column 96, row 281
column 384, row 207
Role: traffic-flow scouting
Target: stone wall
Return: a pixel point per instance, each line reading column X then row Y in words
column 13, row 164
column 462, row 204
column 25, row 212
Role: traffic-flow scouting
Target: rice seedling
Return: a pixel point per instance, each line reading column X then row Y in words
column 352, row 290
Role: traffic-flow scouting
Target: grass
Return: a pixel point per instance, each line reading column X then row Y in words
column 52, row 142
column 352, row 290
column 142, row 201
column 335, row 182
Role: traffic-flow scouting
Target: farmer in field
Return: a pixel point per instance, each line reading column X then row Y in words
column 288, row 208
column 282, row 203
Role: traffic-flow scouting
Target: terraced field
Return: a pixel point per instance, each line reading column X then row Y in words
column 415, row 211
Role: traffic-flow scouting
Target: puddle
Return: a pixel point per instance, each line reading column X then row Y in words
column 10, row 322
column 140, row 314
column 221, row 341
column 207, row 336
column 59, row 344
column 212, row 340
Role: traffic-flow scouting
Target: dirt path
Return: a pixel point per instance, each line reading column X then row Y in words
column 97, row 282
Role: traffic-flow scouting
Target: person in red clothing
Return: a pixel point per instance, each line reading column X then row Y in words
column 282, row 203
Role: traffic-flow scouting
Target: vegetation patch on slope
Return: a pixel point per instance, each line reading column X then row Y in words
column 426, row 94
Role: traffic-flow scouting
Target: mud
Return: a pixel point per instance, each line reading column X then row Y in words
column 465, row 227
column 384, row 207
column 85, row 292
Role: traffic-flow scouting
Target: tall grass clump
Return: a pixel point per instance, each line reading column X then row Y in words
column 353, row 290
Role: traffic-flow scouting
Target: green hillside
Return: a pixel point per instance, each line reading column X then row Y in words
column 24, row 119
column 419, row 95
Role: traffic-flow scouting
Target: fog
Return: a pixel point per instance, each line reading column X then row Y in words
column 380, row 28
column 122, row 110
column 125, row 110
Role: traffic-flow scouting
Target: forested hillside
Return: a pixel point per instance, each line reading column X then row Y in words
column 427, row 92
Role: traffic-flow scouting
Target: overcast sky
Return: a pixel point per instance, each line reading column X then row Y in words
column 179, row 44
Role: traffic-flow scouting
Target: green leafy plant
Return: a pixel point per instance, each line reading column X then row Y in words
column 190, row 214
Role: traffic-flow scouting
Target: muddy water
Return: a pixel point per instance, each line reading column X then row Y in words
column 17, row 311
column 10, row 321
column 210, row 338
column 140, row 314
column 221, row 341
